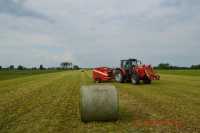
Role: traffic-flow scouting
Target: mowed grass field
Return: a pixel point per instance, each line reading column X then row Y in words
column 49, row 103
column 5, row 75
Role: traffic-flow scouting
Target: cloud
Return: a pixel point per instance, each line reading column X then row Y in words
column 17, row 8
column 97, row 33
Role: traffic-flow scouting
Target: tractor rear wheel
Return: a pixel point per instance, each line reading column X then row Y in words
column 135, row 79
column 147, row 80
column 119, row 76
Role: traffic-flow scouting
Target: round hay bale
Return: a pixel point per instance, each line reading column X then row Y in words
column 98, row 103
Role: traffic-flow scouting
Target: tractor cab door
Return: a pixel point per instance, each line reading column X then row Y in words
column 125, row 64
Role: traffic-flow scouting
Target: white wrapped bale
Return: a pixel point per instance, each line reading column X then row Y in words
column 98, row 103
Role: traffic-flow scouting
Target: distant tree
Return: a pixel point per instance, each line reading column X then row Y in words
column 66, row 65
column 195, row 66
column 34, row 68
column 0, row 67
column 11, row 67
column 58, row 68
column 76, row 67
column 168, row 66
column 164, row 66
column 42, row 67
column 20, row 67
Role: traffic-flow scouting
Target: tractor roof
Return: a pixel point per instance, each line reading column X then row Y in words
column 130, row 60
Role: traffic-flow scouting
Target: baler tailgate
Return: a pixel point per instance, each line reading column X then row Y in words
column 102, row 74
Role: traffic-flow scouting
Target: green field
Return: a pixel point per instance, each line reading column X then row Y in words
column 49, row 103
column 5, row 74
column 181, row 72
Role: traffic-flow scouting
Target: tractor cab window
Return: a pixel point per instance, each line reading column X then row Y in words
column 127, row 64
column 124, row 64
column 133, row 63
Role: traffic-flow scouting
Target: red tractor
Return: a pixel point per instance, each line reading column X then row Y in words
column 133, row 71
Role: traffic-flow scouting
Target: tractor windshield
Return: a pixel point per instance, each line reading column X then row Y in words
column 129, row 63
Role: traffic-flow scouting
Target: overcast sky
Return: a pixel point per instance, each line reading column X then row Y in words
column 99, row 32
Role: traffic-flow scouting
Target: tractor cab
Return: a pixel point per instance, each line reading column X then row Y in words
column 130, row 63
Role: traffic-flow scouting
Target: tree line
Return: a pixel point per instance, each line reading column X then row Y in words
column 63, row 66
column 169, row 66
column 71, row 66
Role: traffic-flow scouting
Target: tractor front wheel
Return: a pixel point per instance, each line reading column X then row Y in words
column 135, row 79
column 119, row 76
